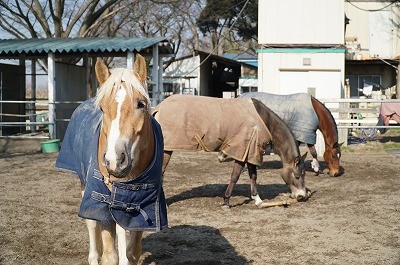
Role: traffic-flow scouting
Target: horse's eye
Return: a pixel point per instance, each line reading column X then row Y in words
column 141, row 104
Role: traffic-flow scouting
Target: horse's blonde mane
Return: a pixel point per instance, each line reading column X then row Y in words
column 117, row 76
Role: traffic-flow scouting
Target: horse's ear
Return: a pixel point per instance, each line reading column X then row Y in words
column 297, row 159
column 336, row 145
column 102, row 72
column 140, row 69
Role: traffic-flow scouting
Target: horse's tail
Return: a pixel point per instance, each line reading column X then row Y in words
column 381, row 123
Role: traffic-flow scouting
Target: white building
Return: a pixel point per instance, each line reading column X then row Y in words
column 373, row 45
column 301, row 47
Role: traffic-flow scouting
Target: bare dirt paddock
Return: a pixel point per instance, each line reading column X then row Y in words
column 352, row 219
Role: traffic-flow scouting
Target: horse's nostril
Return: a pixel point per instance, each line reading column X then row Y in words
column 122, row 158
column 104, row 161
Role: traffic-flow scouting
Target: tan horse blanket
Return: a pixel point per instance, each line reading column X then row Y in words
column 233, row 126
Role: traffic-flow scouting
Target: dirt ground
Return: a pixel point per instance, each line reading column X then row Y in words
column 351, row 219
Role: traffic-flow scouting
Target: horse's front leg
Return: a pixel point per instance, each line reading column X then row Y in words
column 94, row 241
column 110, row 255
column 94, row 238
column 314, row 162
column 236, row 171
column 253, row 178
column 129, row 251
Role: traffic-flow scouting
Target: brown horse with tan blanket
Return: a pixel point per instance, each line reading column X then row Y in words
column 240, row 128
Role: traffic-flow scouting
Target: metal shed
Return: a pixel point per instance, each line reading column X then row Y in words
column 53, row 49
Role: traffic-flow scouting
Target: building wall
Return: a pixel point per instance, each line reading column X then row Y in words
column 68, row 76
column 373, row 34
column 12, row 88
column 301, row 46
column 184, row 73
column 301, row 49
column 302, row 69
column 301, row 22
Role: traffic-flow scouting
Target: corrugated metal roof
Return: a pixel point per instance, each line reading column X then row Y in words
column 11, row 48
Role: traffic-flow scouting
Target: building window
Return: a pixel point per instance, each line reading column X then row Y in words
column 359, row 82
column 246, row 89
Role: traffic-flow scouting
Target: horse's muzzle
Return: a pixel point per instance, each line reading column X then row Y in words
column 299, row 194
column 119, row 167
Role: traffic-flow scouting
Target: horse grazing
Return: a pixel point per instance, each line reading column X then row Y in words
column 115, row 147
column 240, row 128
column 304, row 114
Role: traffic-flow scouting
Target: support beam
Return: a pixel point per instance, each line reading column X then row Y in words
column 154, row 77
column 51, row 94
column 129, row 60
column 160, row 80
column 87, row 61
column 32, row 106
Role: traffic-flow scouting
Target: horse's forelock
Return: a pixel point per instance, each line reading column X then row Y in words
column 118, row 76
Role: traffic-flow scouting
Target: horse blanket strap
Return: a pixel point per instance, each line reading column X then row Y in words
column 135, row 205
column 295, row 110
column 231, row 126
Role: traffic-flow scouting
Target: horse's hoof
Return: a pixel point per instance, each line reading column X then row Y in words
column 225, row 207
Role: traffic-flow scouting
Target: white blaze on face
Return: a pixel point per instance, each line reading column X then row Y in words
column 114, row 134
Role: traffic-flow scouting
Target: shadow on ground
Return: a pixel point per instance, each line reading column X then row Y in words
column 190, row 245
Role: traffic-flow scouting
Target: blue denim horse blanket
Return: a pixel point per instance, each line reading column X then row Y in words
column 137, row 204
column 295, row 110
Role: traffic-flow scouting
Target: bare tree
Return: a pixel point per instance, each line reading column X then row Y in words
column 175, row 20
column 53, row 18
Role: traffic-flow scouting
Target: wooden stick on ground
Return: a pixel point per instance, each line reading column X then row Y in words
column 278, row 203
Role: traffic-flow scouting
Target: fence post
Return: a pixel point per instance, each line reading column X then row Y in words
column 398, row 82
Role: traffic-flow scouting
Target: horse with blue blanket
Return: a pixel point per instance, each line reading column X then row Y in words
column 116, row 148
column 304, row 115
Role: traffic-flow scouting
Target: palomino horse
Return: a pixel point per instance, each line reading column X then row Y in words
column 116, row 148
column 240, row 128
column 304, row 114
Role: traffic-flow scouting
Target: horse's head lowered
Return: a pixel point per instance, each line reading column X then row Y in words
column 332, row 158
column 126, row 143
column 293, row 174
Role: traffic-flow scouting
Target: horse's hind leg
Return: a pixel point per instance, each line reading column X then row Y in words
column 134, row 248
column 253, row 178
column 236, row 171
column 314, row 162
column 167, row 157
